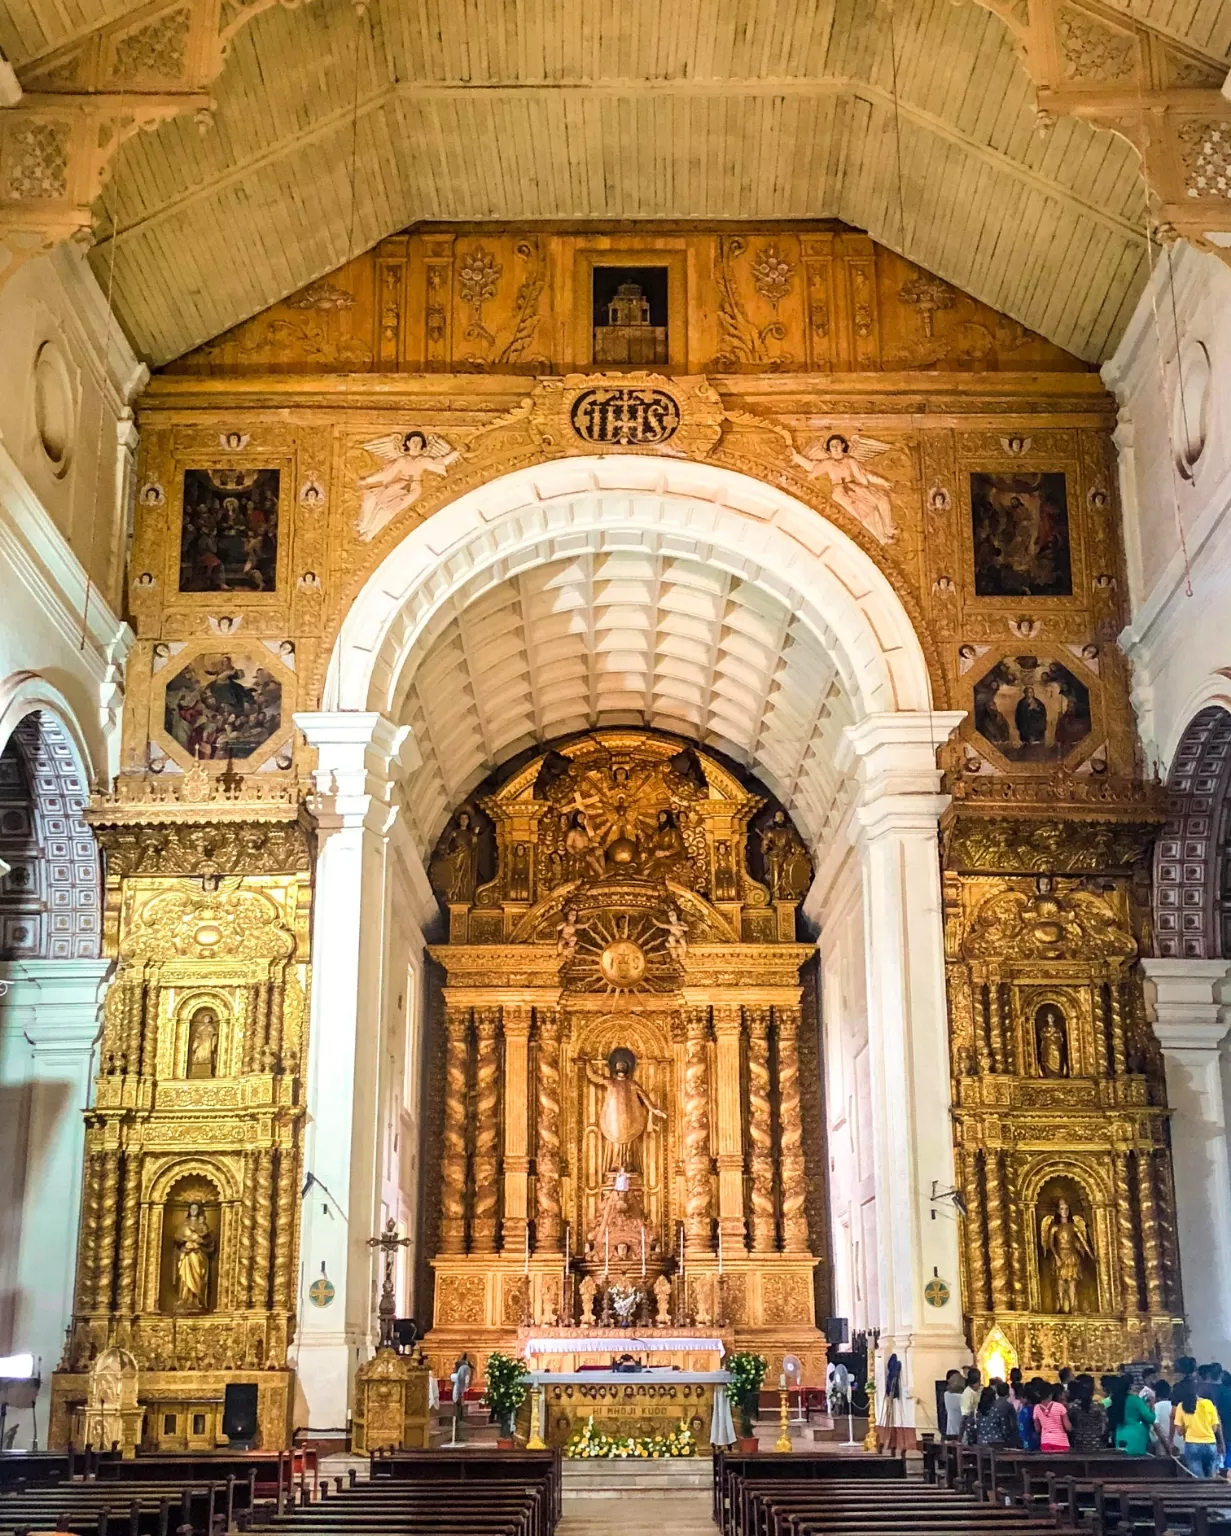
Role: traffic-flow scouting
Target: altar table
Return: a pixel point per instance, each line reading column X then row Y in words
column 560, row 1349
column 626, row 1403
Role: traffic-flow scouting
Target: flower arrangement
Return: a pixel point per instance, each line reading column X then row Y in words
column 624, row 1299
column 747, row 1374
column 588, row 1443
column 506, row 1389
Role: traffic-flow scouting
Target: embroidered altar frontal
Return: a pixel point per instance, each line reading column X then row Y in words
column 650, row 1403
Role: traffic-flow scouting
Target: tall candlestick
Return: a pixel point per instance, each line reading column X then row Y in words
column 606, row 1253
column 643, row 1253
column 720, row 1250
column 526, row 1270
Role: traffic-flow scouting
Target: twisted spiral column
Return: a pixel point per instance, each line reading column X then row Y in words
column 453, row 1161
column 997, row 1255
column 485, row 1219
column 549, row 1226
column 247, row 1215
column 284, row 1227
column 1155, row 1293
column 972, row 1230
column 698, row 1184
column 263, row 1229
column 760, row 1133
column 791, row 1135
column 1129, row 1282
column 127, row 1289
column 1119, row 1052
column 89, row 1228
column 109, row 1202
column 1017, row 1240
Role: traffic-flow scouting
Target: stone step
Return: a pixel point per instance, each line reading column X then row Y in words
column 612, row 1477
column 672, row 1514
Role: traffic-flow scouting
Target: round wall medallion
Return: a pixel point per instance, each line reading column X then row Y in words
column 321, row 1292
column 622, row 963
column 936, row 1292
column 54, row 413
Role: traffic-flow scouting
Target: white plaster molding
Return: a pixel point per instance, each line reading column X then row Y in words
column 1185, row 998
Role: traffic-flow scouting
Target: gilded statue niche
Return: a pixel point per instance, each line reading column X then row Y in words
column 190, row 1258
column 622, row 1130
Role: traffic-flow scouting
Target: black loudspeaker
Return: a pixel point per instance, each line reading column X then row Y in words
column 835, row 1330
column 239, row 1417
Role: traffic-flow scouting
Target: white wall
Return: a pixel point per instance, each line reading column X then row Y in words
column 848, row 1097
column 1179, row 645
column 66, row 448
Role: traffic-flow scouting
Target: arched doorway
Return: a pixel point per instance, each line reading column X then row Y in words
column 51, row 985
column 625, row 591
column 1191, row 976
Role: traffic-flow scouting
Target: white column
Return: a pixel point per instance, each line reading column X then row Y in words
column 50, row 1012
column 1191, row 1023
column 908, row 1033
column 356, row 807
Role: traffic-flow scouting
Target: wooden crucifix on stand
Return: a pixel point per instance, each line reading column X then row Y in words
column 388, row 1242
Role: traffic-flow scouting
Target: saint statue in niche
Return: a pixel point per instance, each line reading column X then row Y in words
column 667, row 848
column 787, row 871
column 194, row 1247
column 1065, row 1239
column 1052, row 1041
column 456, row 866
column 203, row 1044
column 625, row 1113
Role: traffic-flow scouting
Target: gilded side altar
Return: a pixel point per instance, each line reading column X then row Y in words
column 190, row 1228
column 631, row 964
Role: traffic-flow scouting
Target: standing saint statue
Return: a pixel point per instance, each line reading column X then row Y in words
column 625, row 1112
column 1053, row 1047
column 203, row 1043
column 1066, row 1243
column 194, row 1244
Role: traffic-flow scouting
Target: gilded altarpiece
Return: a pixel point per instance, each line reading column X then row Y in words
column 1060, row 1116
column 189, row 1251
column 624, row 1104
column 968, row 458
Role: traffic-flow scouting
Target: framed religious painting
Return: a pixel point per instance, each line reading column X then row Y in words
column 1020, row 533
column 224, row 702
column 1034, row 709
column 231, row 540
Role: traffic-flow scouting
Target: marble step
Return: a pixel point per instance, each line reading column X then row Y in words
column 614, row 1477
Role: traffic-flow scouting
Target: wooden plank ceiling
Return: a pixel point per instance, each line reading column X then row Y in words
column 684, row 109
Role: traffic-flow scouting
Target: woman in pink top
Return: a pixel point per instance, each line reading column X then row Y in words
column 1052, row 1421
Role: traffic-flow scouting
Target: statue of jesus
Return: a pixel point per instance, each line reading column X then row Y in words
column 625, row 1112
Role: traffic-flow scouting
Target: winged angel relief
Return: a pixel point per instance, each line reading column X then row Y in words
column 856, row 489
column 1065, row 1240
column 405, row 458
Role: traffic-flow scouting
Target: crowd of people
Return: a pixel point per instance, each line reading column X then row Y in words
column 1139, row 1416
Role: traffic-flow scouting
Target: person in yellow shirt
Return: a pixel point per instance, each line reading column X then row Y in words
column 1196, row 1418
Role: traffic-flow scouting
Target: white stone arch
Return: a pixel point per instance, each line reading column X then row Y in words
column 27, row 693
column 704, row 510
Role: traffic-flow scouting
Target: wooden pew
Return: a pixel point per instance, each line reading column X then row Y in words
column 729, row 1467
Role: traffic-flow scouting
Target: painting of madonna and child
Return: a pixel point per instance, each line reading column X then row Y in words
column 229, row 531
column 1021, row 535
column 223, row 705
column 1032, row 709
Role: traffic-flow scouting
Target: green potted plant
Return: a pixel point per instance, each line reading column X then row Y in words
column 747, row 1374
column 506, row 1391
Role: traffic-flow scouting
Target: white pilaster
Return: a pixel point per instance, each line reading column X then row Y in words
column 1191, row 1023
column 357, row 807
column 50, row 1012
column 908, row 1033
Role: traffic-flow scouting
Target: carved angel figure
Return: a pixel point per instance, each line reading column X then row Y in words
column 1065, row 1239
column 855, row 488
column 398, row 484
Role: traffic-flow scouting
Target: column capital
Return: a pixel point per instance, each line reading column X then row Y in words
column 1189, row 1013
column 360, row 754
column 896, row 757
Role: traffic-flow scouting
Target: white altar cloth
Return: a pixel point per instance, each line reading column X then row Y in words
column 647, row 1343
